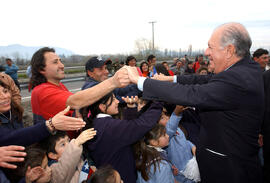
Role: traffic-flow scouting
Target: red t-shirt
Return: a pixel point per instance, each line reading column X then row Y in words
column 48, row 99
column 171, row 72
column 196, row 66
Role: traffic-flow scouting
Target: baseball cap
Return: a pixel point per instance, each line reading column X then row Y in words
column 94, row 62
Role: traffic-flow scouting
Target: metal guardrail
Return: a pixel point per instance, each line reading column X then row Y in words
column 24, row 85
column 66, row 68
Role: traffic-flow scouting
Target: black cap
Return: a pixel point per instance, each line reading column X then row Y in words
column 94, row 62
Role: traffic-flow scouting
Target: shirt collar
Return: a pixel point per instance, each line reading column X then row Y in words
column 102, row 115
column 157, row 148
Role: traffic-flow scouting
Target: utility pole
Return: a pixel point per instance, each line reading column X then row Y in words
column 153, row 38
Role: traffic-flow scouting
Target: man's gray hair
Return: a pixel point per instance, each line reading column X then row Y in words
column 237, row 35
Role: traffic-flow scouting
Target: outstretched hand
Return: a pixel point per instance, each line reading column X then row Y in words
column 179, row 109
column 131, row 101
column 65, row 123
column 162, row 77
column 121, row 78
column 85, row 136
column 11, row 154
column 132, row 74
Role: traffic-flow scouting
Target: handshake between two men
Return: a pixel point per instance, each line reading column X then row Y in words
column 128, row 75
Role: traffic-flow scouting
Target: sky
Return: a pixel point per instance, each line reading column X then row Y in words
column 112, row 26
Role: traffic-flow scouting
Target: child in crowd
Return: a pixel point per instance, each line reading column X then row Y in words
column 36, row 166
column 151, row 160
column 113, row 143
column 67, row 165
column 105, row 175
column 181, row 152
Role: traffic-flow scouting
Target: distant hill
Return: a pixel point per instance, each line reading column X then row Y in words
column 26, row 52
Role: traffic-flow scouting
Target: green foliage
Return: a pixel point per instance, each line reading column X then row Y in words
column 22, row 75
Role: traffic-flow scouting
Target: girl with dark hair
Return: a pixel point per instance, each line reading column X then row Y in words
column 161, row 69
column 145, row 69
column 165, row 64
column 113, row 142
column 151, row 160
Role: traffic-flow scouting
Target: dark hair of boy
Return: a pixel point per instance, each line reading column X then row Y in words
column 103, row 175
column 50, row 142
column 201, row 69
column 35, row 156
column 145, row 156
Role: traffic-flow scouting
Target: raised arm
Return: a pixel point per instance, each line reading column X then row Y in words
column 89, row 96
column 39, row 131
column 130, row 131
column 172, row 124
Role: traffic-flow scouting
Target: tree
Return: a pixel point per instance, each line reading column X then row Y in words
column 143, row 47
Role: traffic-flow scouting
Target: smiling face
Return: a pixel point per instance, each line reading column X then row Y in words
column 216, row 53
column 111, row 107
column 132, row 63
column 99, row 74
column 145, row 67
column 5, row 99
column 262, row 60
column 54, row 69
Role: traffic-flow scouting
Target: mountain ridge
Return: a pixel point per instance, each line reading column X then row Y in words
column 20, row 51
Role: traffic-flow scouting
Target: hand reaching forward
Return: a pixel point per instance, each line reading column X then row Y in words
column 179, row 109
column 121, row 78
column 85, row 136
column 11, row 154
column 131, row 101
column 132, row 74
column 65, row 123
column 162, row 77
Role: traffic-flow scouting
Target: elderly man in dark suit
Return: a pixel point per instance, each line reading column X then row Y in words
column 231, row 104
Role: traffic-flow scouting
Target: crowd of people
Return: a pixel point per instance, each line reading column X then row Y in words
column 204, row 121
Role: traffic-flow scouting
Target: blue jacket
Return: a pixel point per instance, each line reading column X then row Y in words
column 23, row 136
column 113, row 142
column 12, row 71
column 130, row 90
column 163, row 174
column 179, row 149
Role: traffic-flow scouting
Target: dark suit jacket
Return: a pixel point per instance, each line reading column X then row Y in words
column 231, row 106
column 266, row 127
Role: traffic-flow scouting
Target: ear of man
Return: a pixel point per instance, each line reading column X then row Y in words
column 230, row 50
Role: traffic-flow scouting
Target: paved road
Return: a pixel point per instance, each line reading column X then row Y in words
column 71, row 86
